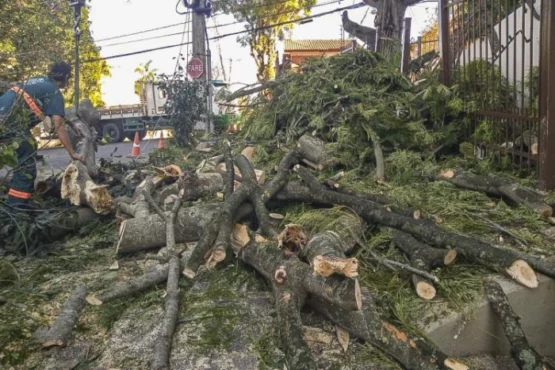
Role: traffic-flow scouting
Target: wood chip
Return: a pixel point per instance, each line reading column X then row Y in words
column 343, row 337
column 317, row 335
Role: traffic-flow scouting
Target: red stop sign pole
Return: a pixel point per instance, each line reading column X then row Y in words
column 195, row 68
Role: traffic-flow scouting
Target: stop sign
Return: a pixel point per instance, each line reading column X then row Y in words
column 195, row 68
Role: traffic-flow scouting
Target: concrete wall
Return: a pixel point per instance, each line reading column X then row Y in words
column 479, row 331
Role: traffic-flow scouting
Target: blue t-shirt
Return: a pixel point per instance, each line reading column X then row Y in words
column 45, row 92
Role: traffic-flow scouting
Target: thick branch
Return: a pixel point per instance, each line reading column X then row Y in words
column 424, row 258
column 524, row 355
column 244, row 92
column 507, row 261
column 326, row 254
column 60, row 334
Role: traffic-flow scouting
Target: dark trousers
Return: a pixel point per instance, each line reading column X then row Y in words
column 25, row 173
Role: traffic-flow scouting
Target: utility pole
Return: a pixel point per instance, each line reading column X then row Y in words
column 202, row 51
column 77, row 5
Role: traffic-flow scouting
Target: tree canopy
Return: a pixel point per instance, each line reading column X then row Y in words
column 261, row 16
column 35, row 33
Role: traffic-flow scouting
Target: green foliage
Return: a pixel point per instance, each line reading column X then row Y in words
column 34, row 34
column 260, row 15
column 146, row 75
column 186, row 106
column 532, row 83
column 482, row 86
column 223, row 121
column 345, row 99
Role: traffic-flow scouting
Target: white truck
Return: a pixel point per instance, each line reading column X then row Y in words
column 122, row 121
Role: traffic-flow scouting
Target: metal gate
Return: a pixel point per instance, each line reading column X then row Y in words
column 500, row 54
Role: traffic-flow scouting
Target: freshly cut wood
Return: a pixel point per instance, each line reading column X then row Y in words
column 524, row 355
column 366, row 324
column 425, row 258
column 292, row 281
column 326, row 254
column 499, row 187
column 140, row 234
column 78, row 187
column 503, row 260
column 292, row 240
column 315, row 152
column 249, row 153
column 61, row 332
column 236, row 209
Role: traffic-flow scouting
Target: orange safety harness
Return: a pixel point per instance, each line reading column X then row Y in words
column 34, row 107
column 31, row 103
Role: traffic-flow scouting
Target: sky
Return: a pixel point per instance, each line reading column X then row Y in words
column 112, row 18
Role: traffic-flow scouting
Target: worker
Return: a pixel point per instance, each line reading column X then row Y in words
column 24, row 107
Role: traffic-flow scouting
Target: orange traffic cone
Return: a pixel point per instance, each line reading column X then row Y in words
column 161, row 141
column 136, row 151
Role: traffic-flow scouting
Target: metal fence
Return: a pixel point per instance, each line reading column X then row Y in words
column 501, row 54
column 421, row 47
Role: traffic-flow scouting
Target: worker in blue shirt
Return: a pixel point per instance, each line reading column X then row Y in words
column 24, row 107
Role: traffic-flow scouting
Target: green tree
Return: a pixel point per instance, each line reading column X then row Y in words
column 146, row 75
column 35, row 33
column 260, row 15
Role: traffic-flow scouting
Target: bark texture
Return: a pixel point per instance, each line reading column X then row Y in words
column 61, row 332
column 313, row 150
column 85, row 143
column 499, row 187
column 524, row 355
column 146, row 233
column 326, row 254
column 79, row 188
column 424, row 258
column 411, row 353
column 498, row 259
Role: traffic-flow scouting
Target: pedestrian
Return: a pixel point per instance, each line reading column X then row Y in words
column 25, row 106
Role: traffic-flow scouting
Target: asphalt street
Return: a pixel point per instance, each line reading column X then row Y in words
column 57, row 159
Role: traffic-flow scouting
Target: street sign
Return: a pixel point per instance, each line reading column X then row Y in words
column 195, row 68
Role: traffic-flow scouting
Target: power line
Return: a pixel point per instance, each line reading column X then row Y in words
column 229, row 34
column 212, row 27
column 181, row 23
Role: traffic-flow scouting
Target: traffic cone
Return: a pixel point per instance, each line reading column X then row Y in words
column 136, row 151
column 161, row 141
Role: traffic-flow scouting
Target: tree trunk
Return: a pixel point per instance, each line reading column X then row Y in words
column 86, row 122
column 78, row 187
column 524, row 355
column 141, row 234
column 326, row 254
column 499, row 187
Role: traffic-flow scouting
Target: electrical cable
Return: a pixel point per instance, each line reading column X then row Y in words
column 358, row 5
column 212, row 27
column 184, row 13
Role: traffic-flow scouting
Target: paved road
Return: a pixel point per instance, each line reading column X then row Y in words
column 57, row 159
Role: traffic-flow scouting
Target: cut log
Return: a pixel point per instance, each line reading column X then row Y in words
column 61, row 332
column 424, row 258
column 140, row 234
column 498, row 259
column 249, row 153
column 326, row 254
column 315, row 152
column 78, row 187
column 499, row 187
column 196, row 186
column 411, row 353
column 210, row 165
column 292, row 240
column 524, row 355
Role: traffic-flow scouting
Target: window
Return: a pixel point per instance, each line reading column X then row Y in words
column 161, row 94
